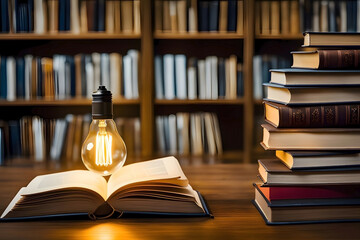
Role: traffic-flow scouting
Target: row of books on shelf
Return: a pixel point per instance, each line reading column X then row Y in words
column 63, row 76
column 330, row 15
column 312, row 121
column 75, row 16
column 277, row 17
column 292, row 16
column 189, row 134
column 210, row 78
column 181, row 16
column 58, row 140
column 261, row 66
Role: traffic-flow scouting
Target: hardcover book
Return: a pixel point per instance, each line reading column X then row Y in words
column 312, row 95
column 274, row 173
column 327, row 59
column 309, row 77
column 331, row 39
column 157, row 187
column 317, row 116
column 310, row 138
column 318, row 159
column 280, row 193
column 312, row 212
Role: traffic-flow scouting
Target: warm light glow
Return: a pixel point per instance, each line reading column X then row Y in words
column 103, row 150
column 104, row 231
column 103, row 146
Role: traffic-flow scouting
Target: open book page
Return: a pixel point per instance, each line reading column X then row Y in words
column 69, row 179
column 165, row 170
column 13, row 202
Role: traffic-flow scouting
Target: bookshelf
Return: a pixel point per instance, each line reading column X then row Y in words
column 237, row 116
column 202, row 35
column 66, row 102
column 64, row 36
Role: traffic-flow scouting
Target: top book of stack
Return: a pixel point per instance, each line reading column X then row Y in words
column 331, row 39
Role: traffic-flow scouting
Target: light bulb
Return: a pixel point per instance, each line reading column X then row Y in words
column 103, row 150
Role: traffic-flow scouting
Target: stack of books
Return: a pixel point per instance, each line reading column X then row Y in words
column 210, row 78
column 75, row 16
column 182, row 16
column 312, row 115
column 59, row 140
column 65, row 76
column 189, row 134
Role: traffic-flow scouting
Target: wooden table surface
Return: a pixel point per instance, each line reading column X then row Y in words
column 226, row 187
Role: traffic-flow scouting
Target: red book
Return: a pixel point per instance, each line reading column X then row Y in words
column 285, row 193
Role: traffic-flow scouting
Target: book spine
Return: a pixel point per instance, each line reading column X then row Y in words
column 339, row 59
column 320, row 116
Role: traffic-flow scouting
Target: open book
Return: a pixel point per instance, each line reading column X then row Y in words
column 152, row 187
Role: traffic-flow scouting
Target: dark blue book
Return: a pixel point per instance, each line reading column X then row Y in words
column 355, row 13
column 239, row 84
column 2, row 147
column 166, row 132
column 39, row 87
column 71, row 62
column 222, row 78
column 20, row 77
column 17, row 15
column 307, row 14
column 4, row 16
column 67, row 14
column 83, row 76
column 62, row 15
column 203, row 18
column 232, row 13
column 265, row 69
column 100, row 15
column 351, row 18
column 214, row 15
column 3, row 78
column 15, row 140
column 332, row 17
column 30, row 15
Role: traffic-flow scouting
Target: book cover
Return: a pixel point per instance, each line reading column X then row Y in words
column 203, row 12
column 20, row 78
column 3, row 78
column 100, row 8
column 214, row 16
column 340, row 115
column 232, row 15
column 327, row 59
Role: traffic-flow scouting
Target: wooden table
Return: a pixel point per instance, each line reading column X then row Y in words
column 226, row 187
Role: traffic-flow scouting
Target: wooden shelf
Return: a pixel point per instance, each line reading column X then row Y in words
column 201, row 35
column 66, row 102
column 64, row 36
column 280, row 36
column 239, row 101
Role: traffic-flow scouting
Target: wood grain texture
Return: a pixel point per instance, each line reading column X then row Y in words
column 147, row 80
column 248, row 80
column 239, row 101
column 201, row 35
column 226, row 187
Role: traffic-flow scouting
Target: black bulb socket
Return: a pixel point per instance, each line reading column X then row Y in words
column 102, row 107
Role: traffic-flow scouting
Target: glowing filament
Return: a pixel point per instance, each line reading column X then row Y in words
column 103, row 146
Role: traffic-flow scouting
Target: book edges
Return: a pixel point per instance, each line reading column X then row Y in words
column 115, row 214
column 299, row 222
